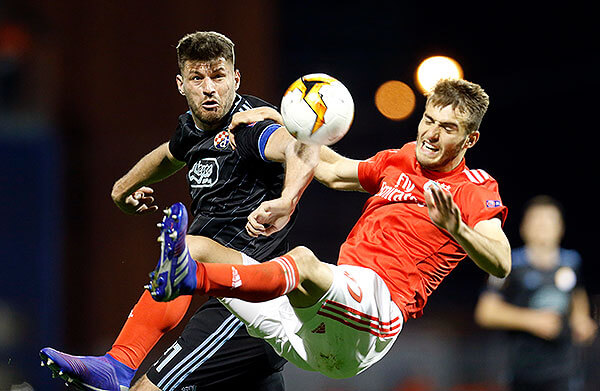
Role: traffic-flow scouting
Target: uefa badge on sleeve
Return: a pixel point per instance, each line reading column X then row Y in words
column 221, row 140
column 493, row 203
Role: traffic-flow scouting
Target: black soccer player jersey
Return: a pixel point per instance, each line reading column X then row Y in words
column 533, row 358
column 226, row 185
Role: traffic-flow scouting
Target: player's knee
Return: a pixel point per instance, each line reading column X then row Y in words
column 306, row 261
column 303, row 255
column 315, row 278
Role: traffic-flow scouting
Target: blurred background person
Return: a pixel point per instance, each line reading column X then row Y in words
column 542, row 303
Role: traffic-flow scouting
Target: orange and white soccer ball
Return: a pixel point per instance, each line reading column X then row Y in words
column 317, row 109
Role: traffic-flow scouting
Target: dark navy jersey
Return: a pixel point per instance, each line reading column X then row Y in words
column 533, row 358
column 226, row 185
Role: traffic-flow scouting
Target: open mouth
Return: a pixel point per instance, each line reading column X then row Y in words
column 427, row 146
column 210, row 104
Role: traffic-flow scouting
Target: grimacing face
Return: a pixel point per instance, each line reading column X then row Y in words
column 442, row 139
column 209, row 88
column 542, row 225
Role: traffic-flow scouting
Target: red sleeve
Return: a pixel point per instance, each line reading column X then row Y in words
column 481, row 202
column 370, row 172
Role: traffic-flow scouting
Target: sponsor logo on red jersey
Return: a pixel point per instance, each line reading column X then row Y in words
column 402, row 191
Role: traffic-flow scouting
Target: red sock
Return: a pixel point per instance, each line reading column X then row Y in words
column 256, row 283
column 147, row 323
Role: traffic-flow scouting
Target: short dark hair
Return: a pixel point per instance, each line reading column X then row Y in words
column 469, row 98
column 204, row 46
column 544, row 200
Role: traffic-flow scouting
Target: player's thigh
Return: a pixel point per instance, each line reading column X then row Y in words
column 204, row 249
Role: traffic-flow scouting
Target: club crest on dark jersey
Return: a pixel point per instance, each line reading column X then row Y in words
column 221, row 140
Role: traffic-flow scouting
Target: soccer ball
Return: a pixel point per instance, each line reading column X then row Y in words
column 317, row 109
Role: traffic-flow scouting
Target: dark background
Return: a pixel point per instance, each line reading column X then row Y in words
column 89, row 88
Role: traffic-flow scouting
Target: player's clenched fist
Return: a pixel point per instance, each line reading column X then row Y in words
column 270, row 217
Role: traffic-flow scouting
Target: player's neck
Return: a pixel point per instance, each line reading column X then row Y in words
column 208, row 127
column 447, row 171
column 543, row 256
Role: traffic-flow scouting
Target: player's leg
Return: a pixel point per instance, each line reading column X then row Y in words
column 144, row 327
column 315, row 278
column 205, row 250
column 298, row 274
column 177, row 273
column 143, row 384
column 352, row 326
column 215, row 352
column 146, row 324
column 149, row 320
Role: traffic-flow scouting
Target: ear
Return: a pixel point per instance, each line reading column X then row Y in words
column 472, row 139
column 238, row 79
column 179, row 80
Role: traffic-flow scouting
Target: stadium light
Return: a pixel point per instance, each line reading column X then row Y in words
column 395, row 100
column 435, row 68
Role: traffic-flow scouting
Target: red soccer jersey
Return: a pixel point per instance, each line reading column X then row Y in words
column 395, row 236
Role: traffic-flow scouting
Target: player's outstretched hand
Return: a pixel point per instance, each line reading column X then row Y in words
column 443, row 211
column 271, row 216
column 249, row 116
column 139, row 202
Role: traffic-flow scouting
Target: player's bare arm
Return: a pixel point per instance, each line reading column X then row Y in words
column 485, row 243
column 131, row 194
column 337, row 172
column 255, row 115
column 333, row 170
column 300, row 160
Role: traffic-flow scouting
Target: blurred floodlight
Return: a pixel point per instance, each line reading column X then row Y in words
column 435, row 68
column 395, row 100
